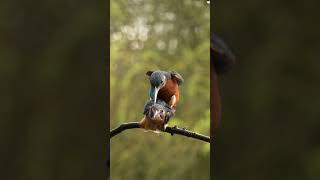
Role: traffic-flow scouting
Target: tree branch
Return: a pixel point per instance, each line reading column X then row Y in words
column 187, row 133
column 170, row 130
column 122, row 127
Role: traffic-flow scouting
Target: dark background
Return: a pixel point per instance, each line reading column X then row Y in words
column 54, row 86
column 271, row 119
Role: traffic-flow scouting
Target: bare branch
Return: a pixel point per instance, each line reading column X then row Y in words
column 124, row 126
column 187, row 133
column 170, row 130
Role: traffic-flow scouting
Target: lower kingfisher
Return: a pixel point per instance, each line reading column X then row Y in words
column 222, row 60
column 165, row 85
column 156, row 116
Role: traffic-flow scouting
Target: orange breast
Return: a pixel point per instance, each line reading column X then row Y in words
column 171, row 88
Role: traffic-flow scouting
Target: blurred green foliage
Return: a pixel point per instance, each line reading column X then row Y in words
column 270, row 125
column 167, row 35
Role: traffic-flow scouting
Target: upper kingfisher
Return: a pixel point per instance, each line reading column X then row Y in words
column 222, row 60
column 165, row 85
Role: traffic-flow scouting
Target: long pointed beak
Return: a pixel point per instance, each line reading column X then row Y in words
column 156, row 94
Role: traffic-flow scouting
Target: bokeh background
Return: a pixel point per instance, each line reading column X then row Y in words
column 167, row 35
column 271, row 119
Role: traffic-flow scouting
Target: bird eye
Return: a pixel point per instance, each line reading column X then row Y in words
column 161, row 81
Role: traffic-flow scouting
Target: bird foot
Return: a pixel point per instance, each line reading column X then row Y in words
column 165, row 127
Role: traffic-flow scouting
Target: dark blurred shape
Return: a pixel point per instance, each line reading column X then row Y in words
column 223, row 58
column 270, row 124
column 54, row 67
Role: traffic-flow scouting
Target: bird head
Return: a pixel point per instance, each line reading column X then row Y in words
column 159, row 113
column 157, row 81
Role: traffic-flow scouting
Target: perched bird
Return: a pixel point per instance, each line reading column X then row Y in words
column 165, row 85
column 156, row 116
column 222, row 60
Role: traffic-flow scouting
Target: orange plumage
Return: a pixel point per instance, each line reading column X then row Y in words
column 170, row 89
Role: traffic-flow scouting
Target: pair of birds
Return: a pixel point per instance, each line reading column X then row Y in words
column 164, row 97
column 164, row 91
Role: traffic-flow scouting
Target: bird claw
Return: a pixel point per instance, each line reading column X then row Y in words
column 165, row 127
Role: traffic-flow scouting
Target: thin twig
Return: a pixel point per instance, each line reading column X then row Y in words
column 170, row 130
column 122, row 127
column 185, row 132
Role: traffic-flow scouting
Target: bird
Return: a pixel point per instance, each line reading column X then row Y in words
column 222, row 60
column 156, row 116
column 165, row 85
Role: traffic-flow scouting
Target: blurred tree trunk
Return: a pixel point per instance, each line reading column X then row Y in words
column 214, row 101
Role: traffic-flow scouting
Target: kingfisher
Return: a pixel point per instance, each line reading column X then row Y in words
column 222, row 60
column 156, row 116
column 165, row 85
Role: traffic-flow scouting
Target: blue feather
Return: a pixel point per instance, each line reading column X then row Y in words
column 152, row 92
